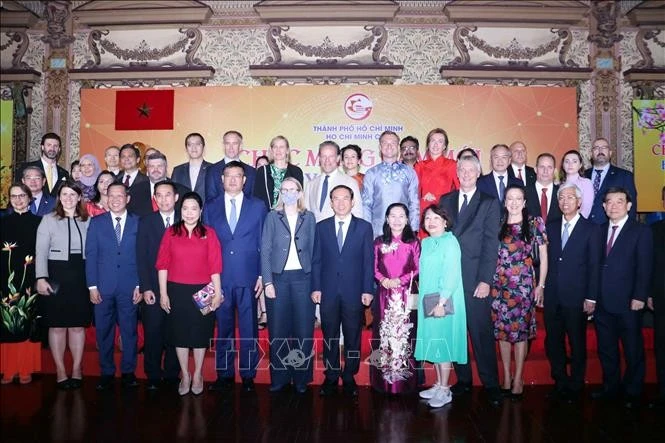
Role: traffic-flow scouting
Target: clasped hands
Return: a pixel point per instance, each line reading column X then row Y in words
column 365, row 298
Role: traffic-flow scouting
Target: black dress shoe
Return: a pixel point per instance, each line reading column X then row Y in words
column 278, row 389
column 75, row 383
column 129, row 380
column 63, row 385
column 248, row 384
column 105, row 383
column 603, row 394
column 460, row 389
column 152, row 385
column 328, row 388
column 301, row 389
column 350, row 389
column 556, row 394
column 222, row 384
column 495, row 397
column 631, row 402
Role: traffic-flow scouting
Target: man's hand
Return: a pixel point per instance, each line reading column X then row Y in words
column 95, row 296
column 316, row 297
column 482, row 290
column 258, row 287
column 636, row 305
column 650, row 303
column 149, row 297
column 136, row 297
column 270, row 291
column 366, row 299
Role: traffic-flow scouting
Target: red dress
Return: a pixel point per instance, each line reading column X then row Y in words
column 437, row 177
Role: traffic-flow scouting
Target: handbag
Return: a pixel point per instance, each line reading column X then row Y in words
column 55, row 285
column 412, row 295
column 431, row 300
column 535, row 251
column 203, row 298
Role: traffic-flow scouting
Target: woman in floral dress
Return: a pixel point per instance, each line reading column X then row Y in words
column 514, row 290
column 396, row 255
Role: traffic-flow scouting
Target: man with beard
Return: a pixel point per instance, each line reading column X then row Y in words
column 48, row 162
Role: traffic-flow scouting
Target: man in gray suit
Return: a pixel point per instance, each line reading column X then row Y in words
column 192, row 174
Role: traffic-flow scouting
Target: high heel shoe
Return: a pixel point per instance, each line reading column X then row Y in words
column 185, row 384
column 197, row 388
column 507, row 392
column 517, row 395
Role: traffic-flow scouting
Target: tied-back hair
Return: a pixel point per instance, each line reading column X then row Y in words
column 81, row 212
column 279, row 206
column 408, row 235
column 562, row 172
column 98, row 195
column 525, row 231
column 199, row 230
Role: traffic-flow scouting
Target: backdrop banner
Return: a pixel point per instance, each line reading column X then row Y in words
column 6, row 160
column 545, row 119
column 649, row 153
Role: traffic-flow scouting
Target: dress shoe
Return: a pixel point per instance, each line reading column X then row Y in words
column 185, row 384
column 105, row 383
column 129, row 380
column 279, row 388
column 350, row 389
column 63, row 385
column 556, row 394
column 152, row 385
column 328, row 388
column 24, row 380
column 494, row 396
column 301, row 389
column 631, row 402
column 603, row 394
column 75, row 383
column 658, row 403
column 460, row 389
column 197, row 385
column 222, row 384
column 248, row 384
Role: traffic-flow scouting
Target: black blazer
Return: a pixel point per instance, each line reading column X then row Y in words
column 529, row 173
column 572, row 273
column 615, row 177
column 658, row 290
column 140, row 178
column 140, row 202
column 533, row 203
column 477, row 231
column 264, row 183
column 626, row 271
column 213, row 180
column 150, row 233
column 181, row 175
column 62, row 175
column 487, row 184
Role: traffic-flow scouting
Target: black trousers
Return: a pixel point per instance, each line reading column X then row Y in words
column 659, row 345
column 154, row 346
column 335, row 310
column 563, row 322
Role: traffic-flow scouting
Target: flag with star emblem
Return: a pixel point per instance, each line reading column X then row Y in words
column 144, row 110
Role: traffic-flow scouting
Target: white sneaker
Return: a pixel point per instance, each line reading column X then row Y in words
column 430, row 393
column 441, row 398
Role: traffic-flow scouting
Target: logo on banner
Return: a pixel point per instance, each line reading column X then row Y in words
column 358, row 106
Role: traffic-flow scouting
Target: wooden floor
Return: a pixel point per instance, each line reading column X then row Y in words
column 38, row 413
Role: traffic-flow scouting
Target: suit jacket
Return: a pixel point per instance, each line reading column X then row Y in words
column 529, row 172
column 477, row 231
column 181, row 175
column 487, row 184
column 213, row 180
column 140, row 202
column 241, row 250
column 313, row 195
column 614, row 177
column 150, row 232
column 53, row 241
column 658, row 289
column 46, row 205
column 140, row 178
column 626, row 271
column 276, row 242
column 533, row 203
column 62, row 175
column 265, row 184
column 109, row 266
column 572, row 273
column 349, row 273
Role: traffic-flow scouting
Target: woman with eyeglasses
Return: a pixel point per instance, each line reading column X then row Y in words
column 287, row 245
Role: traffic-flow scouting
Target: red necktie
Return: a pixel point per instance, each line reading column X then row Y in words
column 519, row 174
column 154, row 204
column 127, row 180
column 610, row 242
column 543, row 204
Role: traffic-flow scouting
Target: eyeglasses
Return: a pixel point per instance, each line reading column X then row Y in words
column 288, row 191
column 600, row 148
column 17, row 196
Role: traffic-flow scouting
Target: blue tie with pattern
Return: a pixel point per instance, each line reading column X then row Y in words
column 340, row 236
column 596, row 181
column 118, row 232
column 233, row 219
column 502, row 188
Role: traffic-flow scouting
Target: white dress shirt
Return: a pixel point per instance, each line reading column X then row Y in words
column 227, row 205
column 123, row 220
column 171, row 216
column 194, row 169
column 460, row 198
column 345, row 226
column 618, row 231
column 132, row 177
column 496, row 175
column 517, row 173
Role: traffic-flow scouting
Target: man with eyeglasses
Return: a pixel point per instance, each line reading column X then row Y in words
column 495, row 182
column 408, row 149
column 42, row 203
column 604, row 175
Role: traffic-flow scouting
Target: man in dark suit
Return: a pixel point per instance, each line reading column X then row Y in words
column 232, row 148
column 112, row 276
column 495, row 183
column 475, row 220
column 657, row 303
column 129, row 160
column 573, row 255
column 342, row 282
column 238, row 221
column 192, row 174
column 142, row 194
column 48, row 163
column 541, row 200
column 112, row 160
column 518, row 167
column 150, row 232
column 42, row 202
column 604, row 175
column 625, row 280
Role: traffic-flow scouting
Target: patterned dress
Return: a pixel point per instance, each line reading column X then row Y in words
column 513, row 307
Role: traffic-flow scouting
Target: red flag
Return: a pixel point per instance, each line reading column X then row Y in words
column 143, row 110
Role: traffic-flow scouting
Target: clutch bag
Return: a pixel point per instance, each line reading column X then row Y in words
column 55, row 286
column 203, row 298
column 431, row 300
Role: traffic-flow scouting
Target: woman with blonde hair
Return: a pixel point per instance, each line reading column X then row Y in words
column 269, row 178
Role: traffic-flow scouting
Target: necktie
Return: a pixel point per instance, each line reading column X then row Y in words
column 118, row 232
column 519, row 174
column 49, row 176
column 610, row 243
column 233, row 219
column 340, row 236
column 565, row 235
column 168, row 221
column 33, row 207
column 127, row 180
column 465, row 203
column 596, row 181
column 324, row 192
column 502, row 188
column 543, row 204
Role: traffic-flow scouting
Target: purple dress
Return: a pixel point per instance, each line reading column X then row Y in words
column 391, row 362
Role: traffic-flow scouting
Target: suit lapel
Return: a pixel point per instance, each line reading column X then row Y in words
column 623, row 234
column 201, row 177
column 349, row 234
column 465, row 218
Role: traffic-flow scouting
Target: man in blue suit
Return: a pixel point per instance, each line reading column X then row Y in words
column 342, row 282
column 112, row 276
column 571, row 290
column 238, row 221
column 625, row 279
column 232, row 148
column 42, row 202
column 604, row 175
column 150, row 233
column 192, row 174
column 495, row 183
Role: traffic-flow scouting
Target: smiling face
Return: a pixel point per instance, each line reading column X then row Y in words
column 129, row 160
column 34, row 180
column 103, row 183
column 18, row 199
column 280, row 150
column 350, row 160
column 515, row 202
column 389, row 145
column 156, row 169
column 518, row 154
column 569, row 203
column 117, row 199
column 69, row 199
column 112, row 158
column 190, row 211
column 468, row 174
column 435, row 225
column 409, row 151
column 616, row 206
column 87, row 167
column 500, row 159
column 341, row 202
column 232, row 144
column 165, row 198
column 437, row 145
column 233, row 180
column 397, row 220
column 328, row 158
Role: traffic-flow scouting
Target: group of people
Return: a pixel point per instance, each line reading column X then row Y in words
column 438, row 251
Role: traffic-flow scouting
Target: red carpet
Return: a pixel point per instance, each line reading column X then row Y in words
column 537, row 369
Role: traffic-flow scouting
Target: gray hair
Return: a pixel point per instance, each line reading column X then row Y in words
column 578, row 191
column 470, row 159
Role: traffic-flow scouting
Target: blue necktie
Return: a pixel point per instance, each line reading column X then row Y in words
column 233, row 219
column 465, row 203
column 324, row 192
column 502, row 188
column 565, row 235
column 340, row 236
column 118, row 232
column 596, row 181
column 33, row 207
column 168, row 222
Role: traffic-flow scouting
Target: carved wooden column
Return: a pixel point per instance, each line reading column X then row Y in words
column 58, row 37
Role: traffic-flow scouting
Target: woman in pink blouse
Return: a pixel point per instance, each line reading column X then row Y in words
column 572, row 169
